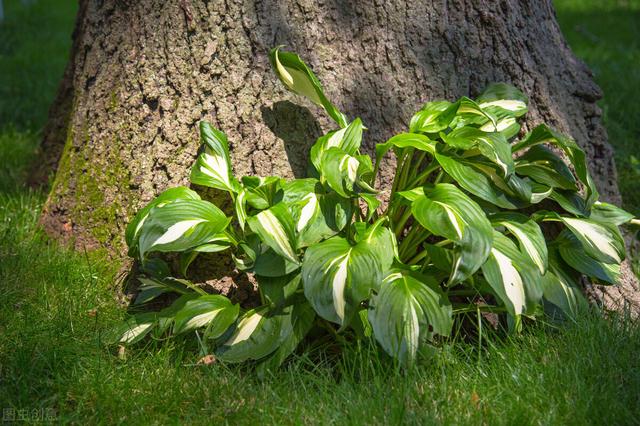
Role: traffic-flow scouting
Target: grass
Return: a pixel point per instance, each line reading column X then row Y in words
column 58, row 307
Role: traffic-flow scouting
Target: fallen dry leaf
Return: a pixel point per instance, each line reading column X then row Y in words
column 207, row 360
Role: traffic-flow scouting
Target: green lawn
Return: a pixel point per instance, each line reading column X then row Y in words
column 57, row 306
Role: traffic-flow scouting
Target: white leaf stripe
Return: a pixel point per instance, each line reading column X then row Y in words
column 508, row 104
column 527, row 244
column 339, row 283
column 245, row 329
column 512, row 281
column 308, row 211
column 595, row 236
column 131, row 334
column 176, row 231
column 272, row 225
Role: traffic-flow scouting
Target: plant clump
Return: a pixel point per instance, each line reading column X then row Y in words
column 461, row 234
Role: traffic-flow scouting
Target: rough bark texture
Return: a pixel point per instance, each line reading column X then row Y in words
column 144, row 73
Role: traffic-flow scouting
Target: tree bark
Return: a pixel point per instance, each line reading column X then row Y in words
column 144, row 73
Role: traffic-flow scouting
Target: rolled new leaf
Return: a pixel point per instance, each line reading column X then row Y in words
column 347, row 139
column 298, row 78
column 213, row 165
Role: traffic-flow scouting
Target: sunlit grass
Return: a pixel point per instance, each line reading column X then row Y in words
column 58, row 307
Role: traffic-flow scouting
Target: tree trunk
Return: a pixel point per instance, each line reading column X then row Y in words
column 144, row 73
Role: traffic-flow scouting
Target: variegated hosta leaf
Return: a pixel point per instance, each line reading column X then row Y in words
column 513, row 277
column 572, row 251
column 258, row 333
column 347, row 139
column 408, row 306
column 503, row 98
column 213, row 166
column 602, row 242
column 480, row 184
column 544, row 166
column 180, row 225
column 561, row 290
column 570, row 201
column 302, row 318
column 338, row 275
column 278, row 291
column 446, row 211
column 405, row 140
column 317, row 214
column 276, row 228
column 433, row 117
column 528, row 234
column 544, row 134
column 213, row 311
column 493, row 146
column 137, row 327
column 609, row 214
column 346, row 174
column 173, row 194
column 320, row 216
column 299, row 79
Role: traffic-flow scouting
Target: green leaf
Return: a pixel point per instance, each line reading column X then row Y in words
column 317, row 215
column 347, row 139
column 528, row 234
column 338, row 275
column 299, row 79
column 561, row 290
column 302, row 319
column 544, row 166
column 346, row 174
column 446, row 211
column 433, row 117
column 258, row 333
column 493, row 146
column 214, row 311
column 213, row 165
column 544, row 134
column 602, row 242
column 133, row 228
column 277, row 291
column 275, row 227
column 405, row 140
column 572, row 251
column 136, row 328
column 219, row 243
column 570, row 201
column 181, row 225
column 409, row 305
column 263, row 192
column 609, row 214
column 478, row 183
column 514, row 278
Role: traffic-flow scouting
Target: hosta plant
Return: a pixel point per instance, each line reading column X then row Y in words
column 478, row 220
